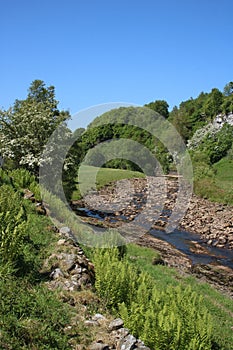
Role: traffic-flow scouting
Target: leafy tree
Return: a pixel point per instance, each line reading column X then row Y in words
column 25, row 128
column 227, row 106
column 113, row 125
column 159, row 106
column 213, row 104
column 228, row 89
column 189, row 116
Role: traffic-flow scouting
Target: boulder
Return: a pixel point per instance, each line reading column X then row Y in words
column 127, row 343
column 116, row 324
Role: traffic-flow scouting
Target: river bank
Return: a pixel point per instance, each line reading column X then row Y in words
column 210, row 223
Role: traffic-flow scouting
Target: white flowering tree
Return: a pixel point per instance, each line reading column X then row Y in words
column 26, row 127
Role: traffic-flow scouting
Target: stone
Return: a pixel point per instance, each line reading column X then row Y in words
column 61, row 242
column 40, row 209
column 127, row 343
column 120, row 333
column 98, row 317
column 116, row 324
column 99, row 346
column 28, row 194
column 57, row 273
column 141, row 346
column 158, row 261
column 66, row 231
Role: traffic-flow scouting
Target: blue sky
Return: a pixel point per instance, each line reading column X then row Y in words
column 96, row 52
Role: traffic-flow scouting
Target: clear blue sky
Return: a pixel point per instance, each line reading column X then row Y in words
column 99, row 51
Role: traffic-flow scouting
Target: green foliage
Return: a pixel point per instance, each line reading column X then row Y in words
column 173, row 319
column 27, row 126
column 189, row 116
column 193, row 114
column 31, row 317
column 12, row 225
column 115, row 127
column 114, row 277
column 216, row 146
column 228, row 89
column 213, row 104
column 159, row 106
column 22, row 178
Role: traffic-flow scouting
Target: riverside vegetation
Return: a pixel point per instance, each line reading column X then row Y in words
column 160, row 306
column 164, row 309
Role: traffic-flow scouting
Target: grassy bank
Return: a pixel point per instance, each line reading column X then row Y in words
column 217, row 186
column 220, row 306
column 144, row 315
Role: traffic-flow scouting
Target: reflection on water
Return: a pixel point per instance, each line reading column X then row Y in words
column 198, row 251
column 188, row 243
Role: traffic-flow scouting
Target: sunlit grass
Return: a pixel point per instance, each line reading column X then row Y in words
column 219, row 187
column 91, row 178
column 220, row 306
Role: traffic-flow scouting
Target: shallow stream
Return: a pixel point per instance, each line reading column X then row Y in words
column 188, row 243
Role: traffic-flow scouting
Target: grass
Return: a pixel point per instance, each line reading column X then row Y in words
column 219, row 187
column 92, row 178
column 224, row 173
column 220, row 306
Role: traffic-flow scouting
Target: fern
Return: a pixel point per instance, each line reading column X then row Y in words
column 172, row 319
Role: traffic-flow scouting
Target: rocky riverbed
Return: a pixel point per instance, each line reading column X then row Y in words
column 211, row 222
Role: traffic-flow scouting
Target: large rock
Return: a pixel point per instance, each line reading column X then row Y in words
column 56, row 273
column 116, row 324
column 127, row 343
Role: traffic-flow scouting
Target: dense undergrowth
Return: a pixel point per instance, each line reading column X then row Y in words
column 173, row 319
column 31, row 316
column 164, row 309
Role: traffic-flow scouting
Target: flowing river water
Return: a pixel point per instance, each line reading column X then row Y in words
column 184, row 241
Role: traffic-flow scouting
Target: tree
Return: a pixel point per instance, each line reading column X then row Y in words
column 213, row 104
column 228, row 89
column 26, row 127
column 159, row 106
